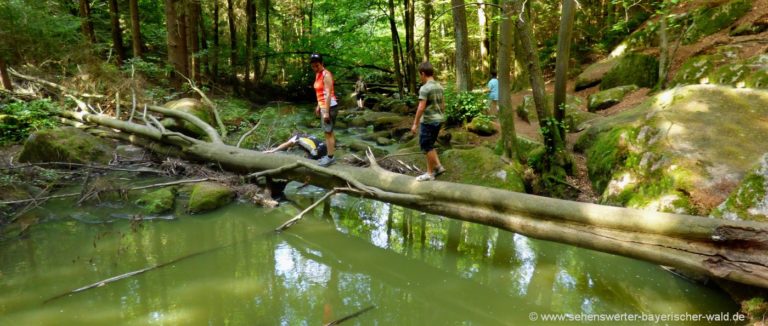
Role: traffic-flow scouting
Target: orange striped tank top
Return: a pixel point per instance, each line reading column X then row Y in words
column 320, row 88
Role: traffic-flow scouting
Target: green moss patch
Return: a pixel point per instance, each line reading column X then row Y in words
column 732, row 75
column 609, row 97
column 707, row 21
column 67, row 144
column 632, row 69
column 750, row 200
column 206, row 196
column 158, row 201
column 574, row 116
column 480, row 166
column 695, row 69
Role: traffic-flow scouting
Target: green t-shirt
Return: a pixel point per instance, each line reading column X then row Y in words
column 432, row 92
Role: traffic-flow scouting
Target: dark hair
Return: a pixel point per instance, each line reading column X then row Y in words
column 493, row 73
column 426, row 68
column 315, row 57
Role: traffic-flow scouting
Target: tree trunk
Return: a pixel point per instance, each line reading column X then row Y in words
column 250, row 17
column 232, row 46
column 732, row 250
column 267, row 6
column 395, row 48
column 216, row 45
column 561, row 64
column 193, row 39
column 181, row 11
column 520, row 80
column 482, row 23
column 463, row 77
column 5, row 78
column 117, row 32
column 86, row 24
column 506, row 111
column 176, row 43
column 410, row 44
column 427, row 27
column 663, row 51
column 205, row 59
column 493, row 46
column 135, row 28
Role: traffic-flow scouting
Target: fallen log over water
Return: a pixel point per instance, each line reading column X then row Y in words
column 732, row 250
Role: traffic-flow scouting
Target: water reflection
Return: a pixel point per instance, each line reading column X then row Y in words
column 415, row 268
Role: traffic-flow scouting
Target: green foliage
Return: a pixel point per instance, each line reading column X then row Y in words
column 708, row 21
column 36, row 30
column 19, row 119
column 756, row 308
column 463, row 106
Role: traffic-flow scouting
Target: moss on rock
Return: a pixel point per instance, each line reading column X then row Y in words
column 158, row 201
column 482, row 126
column 193, row 107
column 708, row 21
column 696, row 69
column 573, row 115
column 732, row 75
column 66, row 144
column 206, row 196
column 750, row 200
column 632, row 69
column 595, row 72
column 673, row 152
column 609, row 97
column 757, row 79
column 480, row 166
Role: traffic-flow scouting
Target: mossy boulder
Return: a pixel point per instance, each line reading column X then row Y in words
column 750, row 200
column 757, row 79
column 632, row 69
column 158, row 201
column 207, row 196
column 66, row 144
column 482, row 126
column 696, row 69
column 676, row 151
column 709, row 20
column 388, row 121
column 595, row 72
column 750, row 28
column 461, row 137
column 191, row 106
column 608, row 98
column 732, row 75
column 480, row 166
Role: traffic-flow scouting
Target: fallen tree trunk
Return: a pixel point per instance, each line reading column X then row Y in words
column 732, row 250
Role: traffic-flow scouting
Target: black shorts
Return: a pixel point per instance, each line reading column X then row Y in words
column 428, row 135
column 360, row 96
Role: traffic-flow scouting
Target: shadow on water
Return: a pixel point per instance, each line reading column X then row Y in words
column 415, row 268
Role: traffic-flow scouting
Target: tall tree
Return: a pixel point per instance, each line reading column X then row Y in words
column 117, row 32
column 250, row 22
column 493, row 40
column 561, row 63
column 506, row 112
column 86, row 24
column 5, row 78
column 267, row 6
column 663, row 46
column 482, row 22
column 193, row 10
column 177, row 55
column 463, row 77
column 410, row 45
column 135, row 28
column 232, row 46
column 395, row 46
column 216, row 46
column 427, row 27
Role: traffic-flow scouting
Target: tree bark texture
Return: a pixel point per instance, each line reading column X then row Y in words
column 193, row 39
column 232, row 46
column 250, row 21
column 176, row 42
column 216, row 45
column 410, row 44
column 493, row 46
column 561, row 63
column 463, row 77
column 135, row 28
column 506, row 111
column 117, row 32
column 395, row 47
column 86, row 24
column 482, row 22
column 427, row 27
column 267, row 6
column 732, row 250
column 5, row 78
column 663, row 51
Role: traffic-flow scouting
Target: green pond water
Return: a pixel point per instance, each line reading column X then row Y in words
column 349, row 254
column 228, row 267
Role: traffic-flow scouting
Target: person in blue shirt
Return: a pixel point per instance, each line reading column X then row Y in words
column 493, row 93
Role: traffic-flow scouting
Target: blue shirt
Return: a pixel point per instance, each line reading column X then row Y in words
column 493, row 86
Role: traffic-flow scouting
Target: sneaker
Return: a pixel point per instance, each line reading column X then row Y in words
column 425, row 177
column 439, row 170
column 326, row 161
